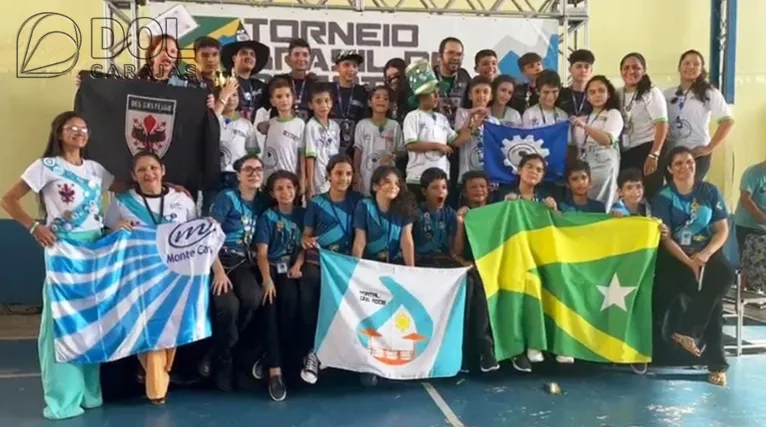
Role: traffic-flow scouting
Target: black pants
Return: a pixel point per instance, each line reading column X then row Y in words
column 311, row 287
column 281, row 322
column 635, row 158
column 234, row 311
column 688, row 311
column 477, row 333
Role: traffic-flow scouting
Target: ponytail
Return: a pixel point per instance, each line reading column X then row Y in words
column 701, row 85
column 644, row 86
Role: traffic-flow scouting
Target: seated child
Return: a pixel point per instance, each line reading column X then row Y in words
column 436, row 225
column 630, row 189
column 578, row 183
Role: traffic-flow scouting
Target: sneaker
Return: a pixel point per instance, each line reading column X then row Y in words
column 488, row 363
column 535, row 356
column 277, row 389
column 203, row 367
column 564, row 359
column 223, row 376
column 257, row 371
column 310, row 371
column 521, row 363
column 639, row 368
column 369, row 380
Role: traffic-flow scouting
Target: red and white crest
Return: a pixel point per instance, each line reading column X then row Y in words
column 149, row 124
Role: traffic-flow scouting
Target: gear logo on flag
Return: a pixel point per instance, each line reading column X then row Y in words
column 516, row 148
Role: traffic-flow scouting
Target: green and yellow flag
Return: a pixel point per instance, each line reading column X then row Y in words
column 577, row 285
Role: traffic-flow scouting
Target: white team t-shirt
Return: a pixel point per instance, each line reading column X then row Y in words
column 321, row 142
column 610, row 121
column 510, row 118
column 471, row 154
column 640, row 115
column 690, row 126
column 426, row 126
column 72, row 194
column 374, row 142
column 537, row 117
column 283, row 146
column 173, row 207
column 238, row 138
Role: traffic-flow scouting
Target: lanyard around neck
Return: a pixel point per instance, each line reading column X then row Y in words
column 542, row 113
column 162, row 209
column 347, row 114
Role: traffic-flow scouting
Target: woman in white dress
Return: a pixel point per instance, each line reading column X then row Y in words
column 597, row 136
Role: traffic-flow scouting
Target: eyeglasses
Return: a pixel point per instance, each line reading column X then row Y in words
column 249, row 170
column 77, row 129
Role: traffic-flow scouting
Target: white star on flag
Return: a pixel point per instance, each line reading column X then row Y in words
column 615, row 294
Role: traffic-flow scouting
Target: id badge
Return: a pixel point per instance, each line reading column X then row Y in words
column 282, row 267
column 686, row 237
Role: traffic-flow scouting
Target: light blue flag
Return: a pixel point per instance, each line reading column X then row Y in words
column 393, row 321
column 131, row 292
column 505, row 146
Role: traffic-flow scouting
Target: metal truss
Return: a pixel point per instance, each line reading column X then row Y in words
column 572, row 15
column 723, row 46
column 123, row 12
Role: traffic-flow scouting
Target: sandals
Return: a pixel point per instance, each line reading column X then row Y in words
column 717, row 378
column 687, row 343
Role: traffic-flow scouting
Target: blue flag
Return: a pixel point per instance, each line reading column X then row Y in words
column 505, row 146
column 131, row 292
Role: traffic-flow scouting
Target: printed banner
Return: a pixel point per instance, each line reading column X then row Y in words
column 505, row 146
column 576, row 285
column 378, row 36
column 131, row 292
column 393, row 321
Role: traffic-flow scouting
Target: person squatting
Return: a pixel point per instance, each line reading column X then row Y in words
column 385, row 174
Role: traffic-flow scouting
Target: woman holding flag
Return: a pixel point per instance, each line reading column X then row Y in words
column 383, row 226
column 327, row 225
column 149, row 204
column 597, row 137
column 70, row 189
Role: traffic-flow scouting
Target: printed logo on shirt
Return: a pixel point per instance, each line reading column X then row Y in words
column 149, row 124
column 270, row 158
column 290, row 135
column 680, row 129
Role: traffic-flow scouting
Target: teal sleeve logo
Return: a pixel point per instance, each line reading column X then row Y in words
column 36, row 56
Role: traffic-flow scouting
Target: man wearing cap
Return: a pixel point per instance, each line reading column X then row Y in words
column 572, row 99
column 244, row 59
column 349, row 98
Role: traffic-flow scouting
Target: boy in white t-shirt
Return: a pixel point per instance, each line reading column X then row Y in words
column 238, row 138
column 321, row 140
column 283, row 148
column 545, row 112
column 377, row 140
column 427, row 134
